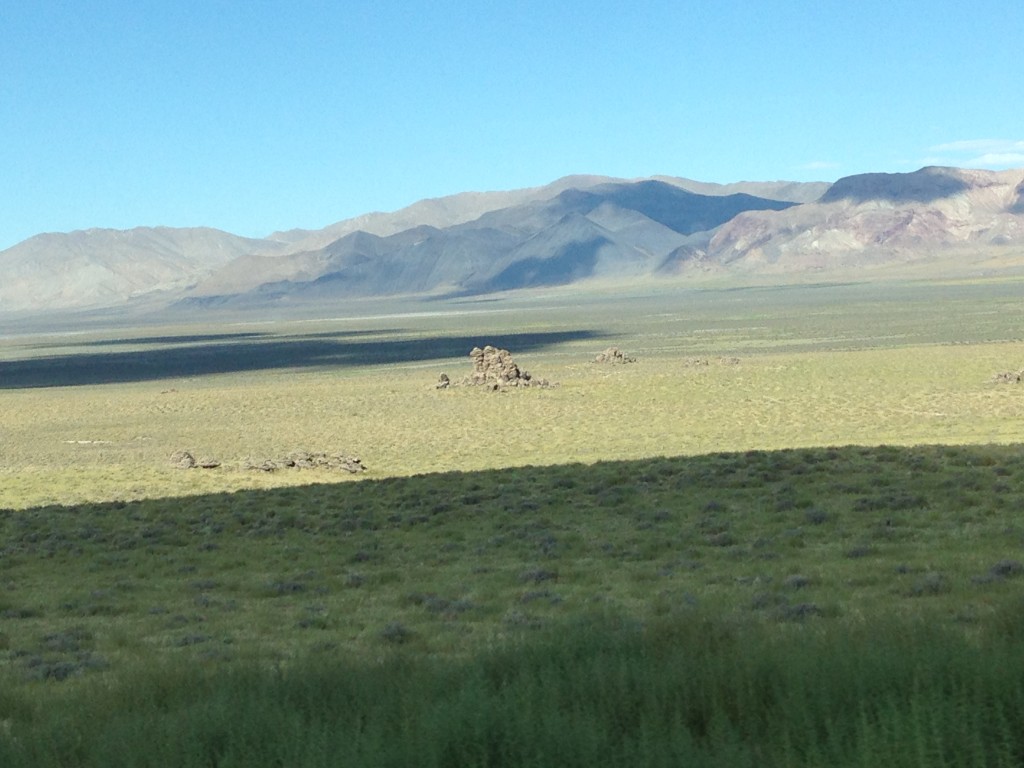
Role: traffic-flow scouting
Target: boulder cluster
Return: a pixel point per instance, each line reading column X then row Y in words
column 697, row 362
column 308, row 460
column 294, row 460
column 495, row 369
column 614, row 355
column 185, row 460
column 1009, row 377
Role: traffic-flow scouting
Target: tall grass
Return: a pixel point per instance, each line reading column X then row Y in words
column 694, row 690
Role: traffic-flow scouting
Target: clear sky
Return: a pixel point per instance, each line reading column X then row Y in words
column 254, row 116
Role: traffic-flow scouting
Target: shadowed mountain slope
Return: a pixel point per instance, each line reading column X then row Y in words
column 438, row 212
column 1018, row 204
column 924, row 186
column 606, row 230
column 785, row 191
column 876, row 220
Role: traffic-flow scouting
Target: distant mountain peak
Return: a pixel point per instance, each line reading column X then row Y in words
column 925, row 185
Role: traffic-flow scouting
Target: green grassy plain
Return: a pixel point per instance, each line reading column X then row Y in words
column 815, row 475
column 804, row 366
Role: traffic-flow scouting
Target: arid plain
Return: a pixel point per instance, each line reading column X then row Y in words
column 96, row 415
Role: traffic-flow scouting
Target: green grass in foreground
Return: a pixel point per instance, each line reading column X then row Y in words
column 802, row 607
column 688, row 691
column 450, row 562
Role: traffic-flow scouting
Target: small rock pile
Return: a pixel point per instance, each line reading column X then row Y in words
column 185, row 460
column 614, row 355
column 699, row 362
column 307, row 460
column 1009, row 377
column 294, row 460
column 494, row 369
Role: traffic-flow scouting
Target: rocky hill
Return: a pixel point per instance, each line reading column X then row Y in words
column 875, row 220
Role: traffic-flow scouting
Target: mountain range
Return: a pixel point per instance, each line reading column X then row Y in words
column 579, row 228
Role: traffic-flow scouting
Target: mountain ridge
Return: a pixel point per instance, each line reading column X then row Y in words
column 576, row 228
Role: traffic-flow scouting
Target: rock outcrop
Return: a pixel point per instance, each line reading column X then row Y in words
column 1009, row 377
column 308, row 460
column 494, row 368
column 294, row 460
column 614, row 355
column 183, row 460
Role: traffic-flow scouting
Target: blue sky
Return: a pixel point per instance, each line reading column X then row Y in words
column 258, row 116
